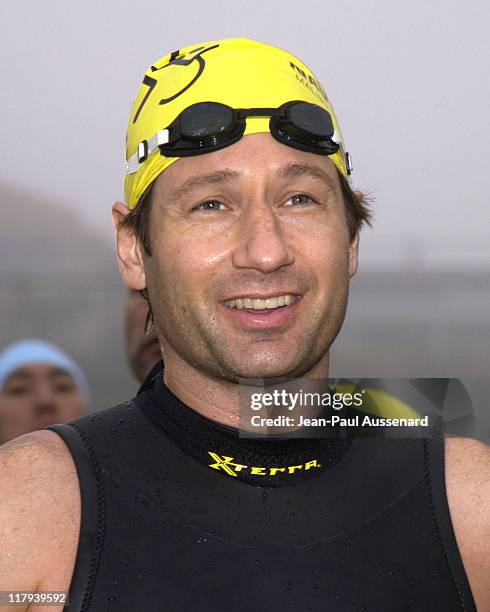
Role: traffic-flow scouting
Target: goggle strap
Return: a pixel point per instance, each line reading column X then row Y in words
column 257, row 112
column 145, row 149
column 348, row 163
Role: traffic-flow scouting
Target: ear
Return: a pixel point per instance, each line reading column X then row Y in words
column 354, row 244
column 353, row 255
column 129, row 255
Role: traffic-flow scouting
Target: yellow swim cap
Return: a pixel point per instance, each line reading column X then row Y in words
column 238, row 72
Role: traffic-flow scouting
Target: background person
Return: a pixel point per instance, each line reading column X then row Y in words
column 142, row 346
column 39, row 385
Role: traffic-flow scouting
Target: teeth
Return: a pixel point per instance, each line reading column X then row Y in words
column 259, row 304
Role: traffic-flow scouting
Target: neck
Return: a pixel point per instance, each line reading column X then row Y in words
column 214, row 398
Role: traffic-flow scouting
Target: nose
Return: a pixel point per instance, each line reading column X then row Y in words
column 44, row 400
column 261, row 242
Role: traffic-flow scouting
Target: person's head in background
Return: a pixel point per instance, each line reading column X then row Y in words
column 143, row 349
column 39, row 385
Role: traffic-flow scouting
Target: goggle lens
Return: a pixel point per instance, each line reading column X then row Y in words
column 311, row 119
column 205, row 119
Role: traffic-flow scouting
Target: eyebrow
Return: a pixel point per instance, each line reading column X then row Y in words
column 290, row 170
column 26, row 375
column 19, row 374
column 56, row 372
column 294, row 169
column 205, row 180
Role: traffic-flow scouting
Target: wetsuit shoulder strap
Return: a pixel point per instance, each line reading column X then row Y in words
column 92, row 518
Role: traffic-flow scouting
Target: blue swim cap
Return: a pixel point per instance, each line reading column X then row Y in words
column 31, row 351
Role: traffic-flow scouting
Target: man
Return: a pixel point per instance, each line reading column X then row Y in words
column 39, row 385
column 243, row 236
column 142, row 346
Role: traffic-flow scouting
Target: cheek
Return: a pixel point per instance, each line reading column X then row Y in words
column 73, row 405
column 186, row 266
column 15, row 410
column 326, row 253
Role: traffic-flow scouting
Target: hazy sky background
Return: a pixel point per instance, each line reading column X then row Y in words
column 408, row 80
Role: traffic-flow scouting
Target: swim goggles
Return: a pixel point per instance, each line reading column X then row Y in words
column 209, row 126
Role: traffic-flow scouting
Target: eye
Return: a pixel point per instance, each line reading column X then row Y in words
column 210, row 206
column 64, row 387
column 17, row 389
column 301, row 199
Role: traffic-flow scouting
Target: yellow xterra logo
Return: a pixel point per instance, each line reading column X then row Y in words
column 222, row 462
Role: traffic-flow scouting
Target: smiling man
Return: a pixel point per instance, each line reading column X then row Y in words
column 235, row 288
column 241, row 231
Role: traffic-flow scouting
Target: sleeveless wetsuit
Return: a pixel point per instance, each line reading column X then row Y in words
column 180, row 514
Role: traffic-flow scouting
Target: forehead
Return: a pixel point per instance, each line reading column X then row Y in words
column 253, row 157
column 36, row 371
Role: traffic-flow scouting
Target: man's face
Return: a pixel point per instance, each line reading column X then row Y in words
column 254, row 221
column 143, row 349
column 35, row 396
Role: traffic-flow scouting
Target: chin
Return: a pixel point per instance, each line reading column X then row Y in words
column 269, row 368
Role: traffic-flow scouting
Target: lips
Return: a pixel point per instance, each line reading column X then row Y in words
column 269, row 312
column 266, row 303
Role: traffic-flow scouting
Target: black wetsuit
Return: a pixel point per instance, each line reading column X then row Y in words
column 347, row 524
